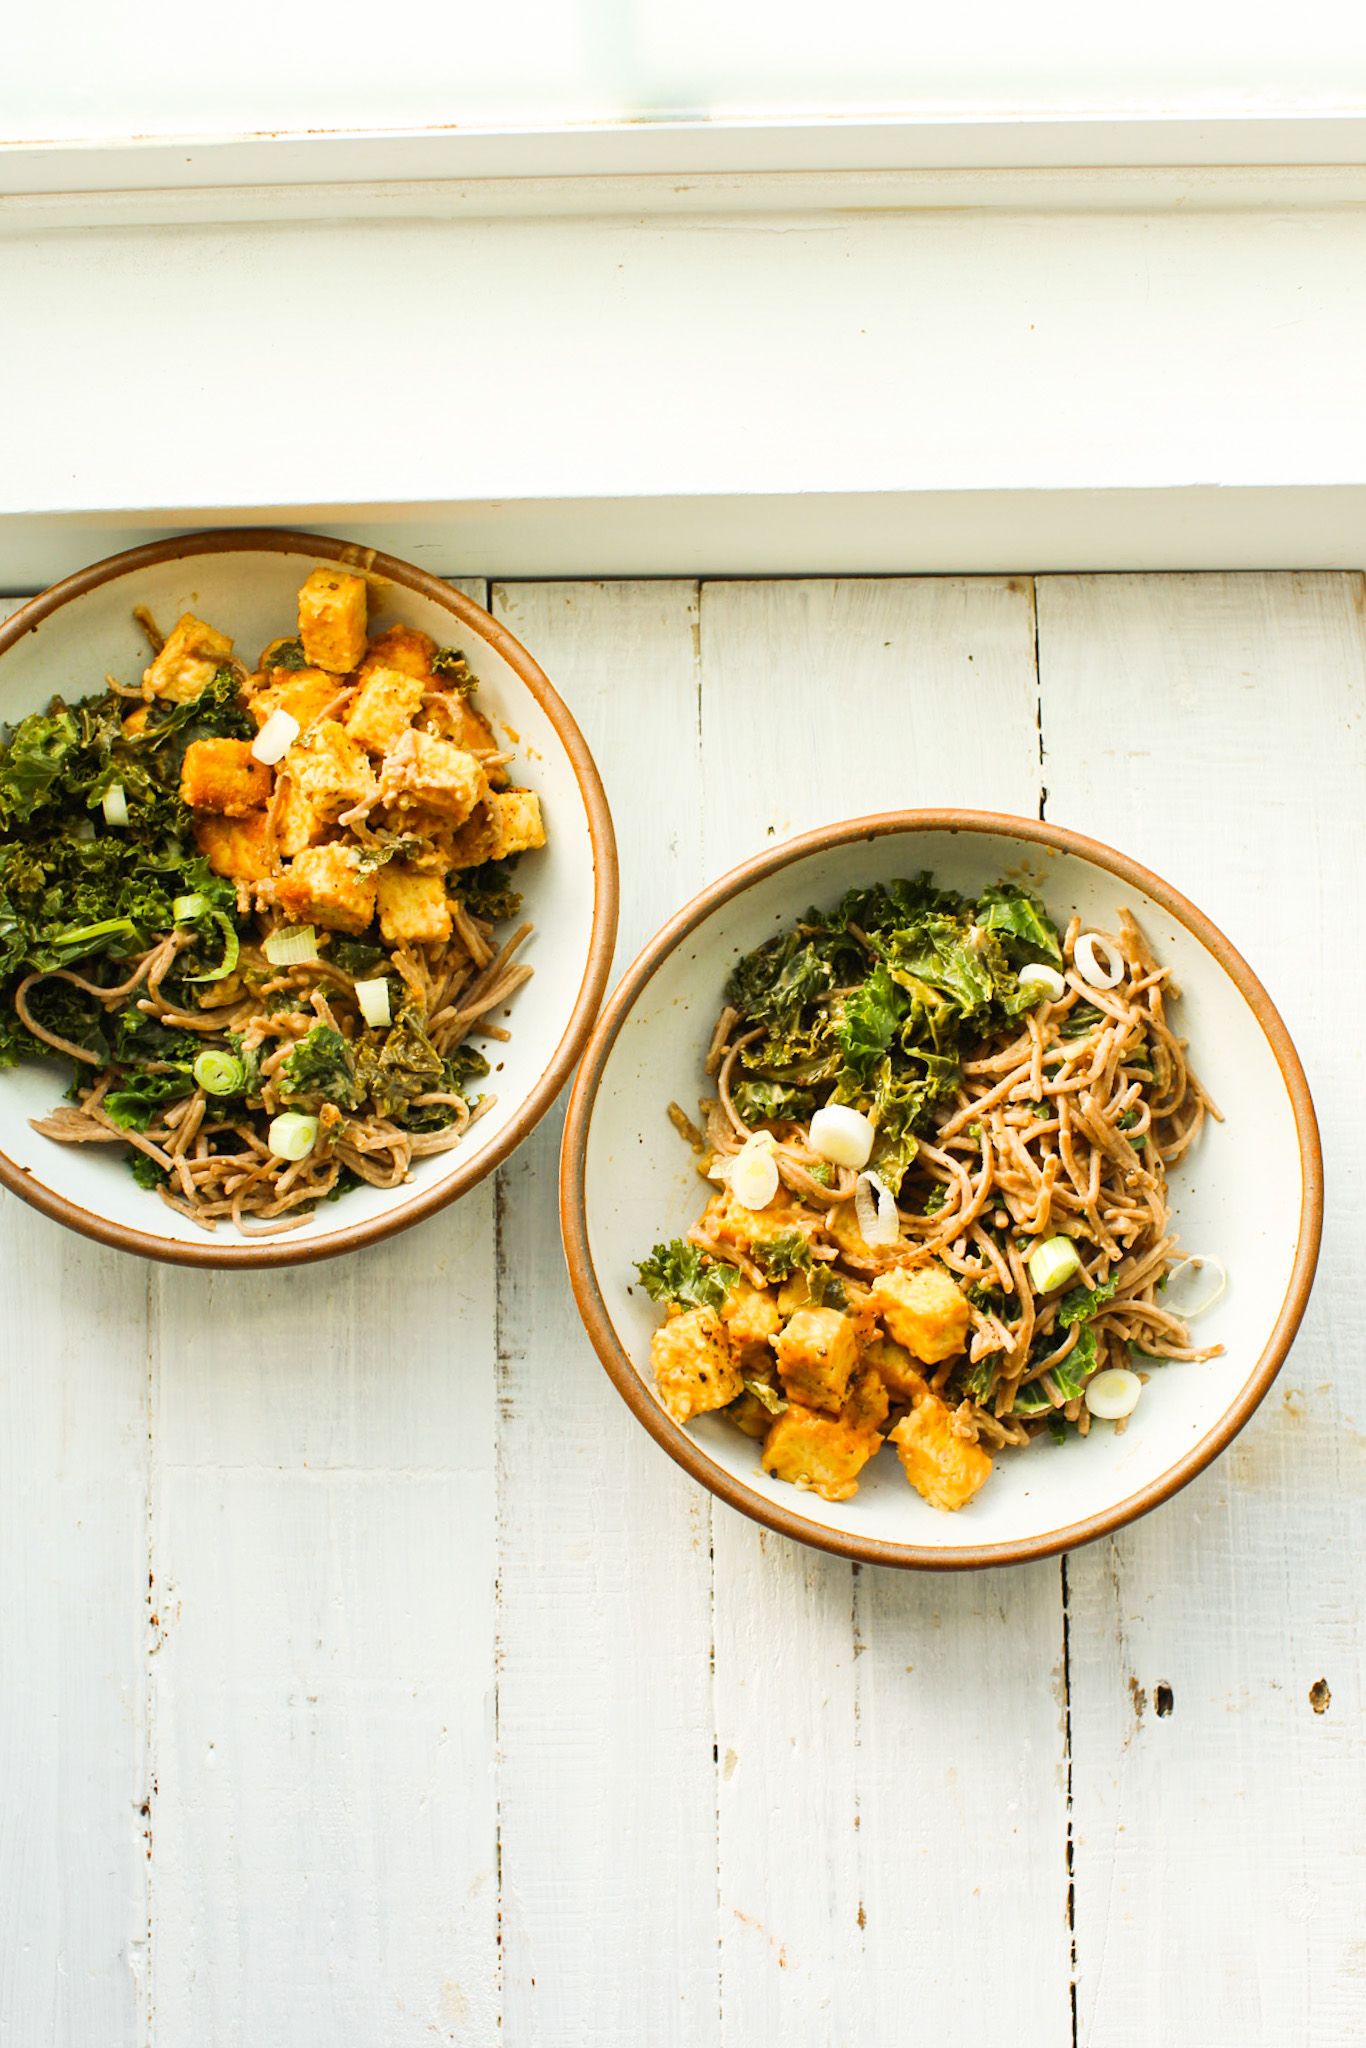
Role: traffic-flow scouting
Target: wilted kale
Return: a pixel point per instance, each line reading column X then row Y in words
column 287, row 654
column 680, row 1272
column 760, row 1102
column 321, row 1066
column 487, row 891
column 353, row 956
column 784, row 1254
column 403, row 1064
column 450, row 664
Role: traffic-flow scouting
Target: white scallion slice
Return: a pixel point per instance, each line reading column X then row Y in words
column 842, row 1135
column 754, row 1173
column 1053, row 1263
column 115, row 805
column 1048, row 978
column 292, row 1136
column 373, row 997
column 275, row 738
column 293, row 945
column 218, row 1073
column 1093, row 971
column 186, row 909
column 1113, row 1394
column 875, row 1208
column 1194, row 1285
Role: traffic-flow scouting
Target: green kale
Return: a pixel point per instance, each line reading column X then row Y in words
column 1078, row 1022
column 403, row 1065
column 35, row 756
column 464, row 1064
column 373, row 857
column 867, row 1021
column 777, row 981
column 146, row 1172
column 353, row 956
column 768, row 1101
column 1026, row 931
column 487, row 891
column 136, row 1098
column 450, row 664
column 781, row 1256
column 1081, row 1303
column 286, row 654
column 680, row 1272
column 321, row 1066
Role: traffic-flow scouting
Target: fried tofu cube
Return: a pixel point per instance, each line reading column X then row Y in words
column 323, row 885
column 240, row 848
column 944, row 1468
column 744, row 1228
column 136, row 721
column 220, row 775
column 750, row 1313
column 413, row 910
column 297, row 824
column 384, row 708
column 866, row 1406
column 695, row 1368
column 817, row 1352
column 895, row 1368
column 304, row 693
column 420, row 773
column 924, row 1311
column 332, row 608
column 403, row 648
column 329, row 769
column 821, row 1454
column 470, row 728
column 517, row 822
column 188, row 662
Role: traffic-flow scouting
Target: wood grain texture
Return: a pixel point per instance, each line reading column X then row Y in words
column 73, row 1624
column 606, row 1777
column 892, row 1798
column 1215, row 727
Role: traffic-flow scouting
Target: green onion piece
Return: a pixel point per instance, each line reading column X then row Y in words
column 373, row 997
column 292, row 1136
column 186, row 909
column 115, row 805
column 291, row 946
column 1052, row 1263
column 218, row 1073
column 232, row 946
column 110, row 925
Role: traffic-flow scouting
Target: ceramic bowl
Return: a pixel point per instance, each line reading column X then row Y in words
column 246, row 583
column 1251, row 1193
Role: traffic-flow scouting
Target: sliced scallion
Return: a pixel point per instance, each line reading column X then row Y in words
column 291, row 946
column 292, row 1136
column 232, row 946
column 115, row 805
column 219, row 1073
column 373, row 997
column 124, row 926
column 1053, row 1262
column 186, row 909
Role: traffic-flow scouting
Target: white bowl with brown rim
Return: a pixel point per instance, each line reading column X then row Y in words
column 246, row 583
column 1250, row 1193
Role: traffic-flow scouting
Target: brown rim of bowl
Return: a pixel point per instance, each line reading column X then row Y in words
column 367, row 561
column 676, row 1440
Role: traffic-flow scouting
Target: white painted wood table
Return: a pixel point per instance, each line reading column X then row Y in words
column 370, row 1678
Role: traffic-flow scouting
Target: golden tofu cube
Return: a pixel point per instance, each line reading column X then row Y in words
column 384, row 708
column 220, row 775
column 473, row 843
column 403, row 648
column 944, row 1468
column 136, row 721
column 695, row 1368
column 817, row 1352
column 821, row 1454
column 750, row 1313
column 188, row 662
column 895, row 1368
column 240, row 848
column 304, row 693
column 734, row 1224
column 329, row 769
column 332, row 620
column 420, row 773
column 323, row 885
column 517, row 823
column 474, row 731
column 297, row 824
column 924, row 1311
column 867, row 1405
column 413, row 910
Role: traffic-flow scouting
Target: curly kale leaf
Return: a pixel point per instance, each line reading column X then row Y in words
column 680, row 1272
column 761, row 1102
column 867, row 1023
column 464, row 1064
column 403, row 1065
column 779, row 979
column 321, row 1066
column 285, row 654
column 1026, row 931
column 782, row 1256
column 1082, row 1302
column 353, row 956
column 450, row 664
column 35, row 755
column 137, row 1097
column 487, row 891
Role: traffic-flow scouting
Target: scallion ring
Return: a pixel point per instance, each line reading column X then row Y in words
column 1052, row 1263
column 1046, row 978
column 292, row 1136
column 115, row 805
column 219, row 1073
column 1090, row 967
column 291, row 945
column 875, row 1208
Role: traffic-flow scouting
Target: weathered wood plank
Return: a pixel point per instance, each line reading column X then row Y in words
column 607, row 1786
column 1215, row 727
column 73, row 1621
column 892, row 1819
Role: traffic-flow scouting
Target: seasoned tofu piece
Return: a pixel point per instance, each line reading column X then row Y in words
column 188, row 662
column 323, row 885
column 420, row 773
column 476, row 838
column 297, row 824
column 332, row 620
column 867, row 1405
column 517, row 823
column 240, row 848
column 413, row 909
column 474, row 730
column 744, row 1228
column 750, row 1313
column 136, row 721
column 384, row 708
column 817, row 1352
column 945, row 1468
column 694, row 1365
column 850, row 1239
column 895, row 1367
column 329, row 769
column 403, row 648
column 821, row 1454
column 220, row 775
column 304, row 693
column 924, row 1311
